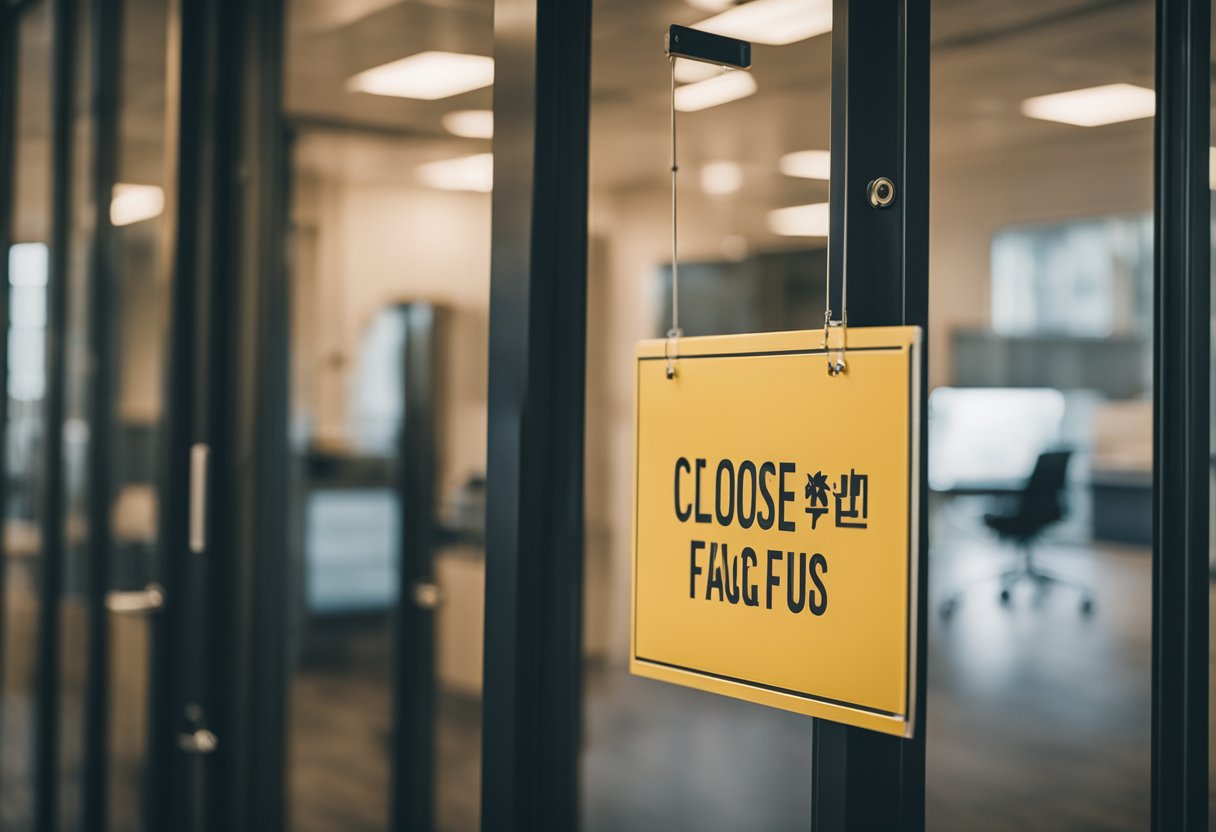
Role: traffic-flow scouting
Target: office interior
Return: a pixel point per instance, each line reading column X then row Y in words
column 1041, row 257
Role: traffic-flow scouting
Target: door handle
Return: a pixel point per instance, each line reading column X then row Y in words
column 201, row 741
column 138, row 602
column 197, row 738
column 426, row 595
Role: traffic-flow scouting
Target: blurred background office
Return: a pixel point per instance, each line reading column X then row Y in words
column 1040, row 324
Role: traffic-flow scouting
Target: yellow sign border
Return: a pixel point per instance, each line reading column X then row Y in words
column 804, row 342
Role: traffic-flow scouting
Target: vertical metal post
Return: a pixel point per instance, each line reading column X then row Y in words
column 176, row 645
column 1181, row 417
column 247, row 610
column 534, row 554
column 412, row 799
column 46, row 747
column 880, row 128
column 106, row 52
column 8, row 129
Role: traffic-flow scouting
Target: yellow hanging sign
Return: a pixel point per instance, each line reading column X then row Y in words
column 775, row 523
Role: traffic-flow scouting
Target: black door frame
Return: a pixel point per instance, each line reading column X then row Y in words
column 860, row 779
column 1181, row 416
column 532, row 686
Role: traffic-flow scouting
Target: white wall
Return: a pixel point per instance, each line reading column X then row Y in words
column 379, row 244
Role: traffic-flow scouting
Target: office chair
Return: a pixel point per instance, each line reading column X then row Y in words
column 1039, row 505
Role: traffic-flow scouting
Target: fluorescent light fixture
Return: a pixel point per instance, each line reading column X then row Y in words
column 465, row 173
column 807, row 164
column 1212, row 168
column 800, row 221
column 135, row 203
column 1094, row 106
column 471, row 124
column 427, row 76
column 720, row 178
column 711, row 5
column 773, row 22
column 689, row 72
column 711, row 92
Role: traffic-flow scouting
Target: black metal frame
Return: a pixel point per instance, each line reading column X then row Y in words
column 413, row 778
column 106, row 54
column 534, row 524
column 46, row 746
column 862, row 780
column 248, row 608
column 219, row 640
column 1181, row 417
column 8, row 108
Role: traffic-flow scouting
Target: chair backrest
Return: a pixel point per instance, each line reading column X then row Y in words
column 1041, row 499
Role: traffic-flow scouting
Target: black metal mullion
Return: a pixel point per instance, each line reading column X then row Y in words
column 413, row 777
column 170, row 788
column 106, row 46
column 863, row 780
column 8, row 130
column 534, row 550
column 46, row 747
column 1181, row 418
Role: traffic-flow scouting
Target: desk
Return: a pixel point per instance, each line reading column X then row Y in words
column 1123, row 506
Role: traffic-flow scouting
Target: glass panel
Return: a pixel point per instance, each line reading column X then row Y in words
column 658, row 756
column 73, row 605
column 1041, row 321
column 136, row 309
column 23, row 433
column 390, row 206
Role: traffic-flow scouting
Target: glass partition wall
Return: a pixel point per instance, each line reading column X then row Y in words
column 1041, row 317
column 29, row 232
column 1040, row 351
column 389, row 108
column 753, row 187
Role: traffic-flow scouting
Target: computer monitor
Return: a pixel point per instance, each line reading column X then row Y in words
column 989, row 435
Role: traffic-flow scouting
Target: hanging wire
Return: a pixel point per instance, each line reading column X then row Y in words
column 837, row 365
column 671, row 348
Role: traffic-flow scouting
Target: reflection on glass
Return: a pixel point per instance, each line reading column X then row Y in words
column 77, row 538
column 1039, row 705
column 753, row 158
column 27, row 261
column 390, row 206
column 135, row 308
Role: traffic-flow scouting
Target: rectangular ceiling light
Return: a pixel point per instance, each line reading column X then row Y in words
column 130, row 204
column 427, row 76
column 1094, row 106
column 730, row 86
column 470, row 124
column 772, row 22
column 465, row 173
column 1212, row 168
column 689, row 72
column 800, row 221
column 807, row 164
